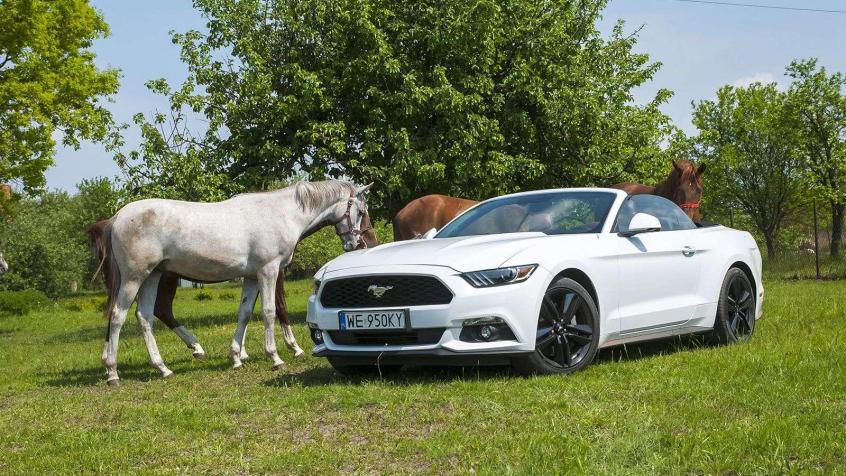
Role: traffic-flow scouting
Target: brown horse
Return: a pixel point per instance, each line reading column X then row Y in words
column 166, row 291
column 425, row 213
column 683, row 186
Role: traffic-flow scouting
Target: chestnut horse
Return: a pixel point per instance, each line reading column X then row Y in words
column 169, row 282
column 425, row 213
column 683, row 186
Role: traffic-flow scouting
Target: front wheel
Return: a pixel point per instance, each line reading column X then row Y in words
column 567, row 334
column 735, row 320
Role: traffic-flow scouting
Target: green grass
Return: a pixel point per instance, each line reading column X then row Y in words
column 774, row 405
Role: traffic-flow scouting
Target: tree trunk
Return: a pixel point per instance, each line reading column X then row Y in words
column 771, row 245
column 837, row 212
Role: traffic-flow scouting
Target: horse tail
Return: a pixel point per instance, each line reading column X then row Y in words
column 396, row 223
column 96, row 242
column 100, row 240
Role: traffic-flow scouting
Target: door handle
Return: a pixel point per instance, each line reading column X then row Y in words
column 688, row 251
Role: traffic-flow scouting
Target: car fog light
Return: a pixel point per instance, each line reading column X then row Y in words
column 315, row 333
column 486, row 332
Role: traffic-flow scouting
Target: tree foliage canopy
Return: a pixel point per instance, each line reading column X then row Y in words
column 818, row 100
column 469, row 98
column 748, row 137
column 48, row 84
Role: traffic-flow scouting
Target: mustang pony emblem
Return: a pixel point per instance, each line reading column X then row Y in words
column 377, row 290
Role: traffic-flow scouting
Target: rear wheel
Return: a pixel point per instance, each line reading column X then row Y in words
column 363, row 370
column 735, row 320
column 567, row 333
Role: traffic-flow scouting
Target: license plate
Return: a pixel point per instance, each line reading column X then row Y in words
column 372, row 320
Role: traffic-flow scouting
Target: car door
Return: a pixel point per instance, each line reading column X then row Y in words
column 659, row 271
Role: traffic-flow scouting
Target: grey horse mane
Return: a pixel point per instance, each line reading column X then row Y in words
column 313, row 196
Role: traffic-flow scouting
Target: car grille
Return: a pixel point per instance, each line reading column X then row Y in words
column 350, row 293
column 414, row 337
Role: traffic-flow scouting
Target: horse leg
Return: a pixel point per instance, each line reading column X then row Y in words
column 144, row 313
column 164, row 311
column 267, row 282
column 125, row 295
column 249, row 293
column 282, row 314
column 244, row 354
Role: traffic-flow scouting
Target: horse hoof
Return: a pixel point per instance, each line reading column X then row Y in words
column 245, row 356
column 278, row 366
column 298, row 353
column 237, row 366
column 113, row 382
column 200, row 355
column 167, row 373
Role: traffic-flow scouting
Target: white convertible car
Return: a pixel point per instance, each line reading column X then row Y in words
column 539, row 280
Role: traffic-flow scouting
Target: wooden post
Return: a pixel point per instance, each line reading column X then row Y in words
column 816, row 240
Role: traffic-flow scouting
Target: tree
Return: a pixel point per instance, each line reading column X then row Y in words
column 469, row 98
column 49, row 84
column 172, row 163
column 45, row 241
column 819, row 103
column 748, row 136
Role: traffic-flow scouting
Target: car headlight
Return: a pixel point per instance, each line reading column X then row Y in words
column 499, row 276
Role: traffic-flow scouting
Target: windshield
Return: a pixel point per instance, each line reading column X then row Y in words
column 553, row 213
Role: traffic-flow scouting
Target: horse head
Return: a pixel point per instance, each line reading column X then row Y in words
column 348, row 215
column 686, row 181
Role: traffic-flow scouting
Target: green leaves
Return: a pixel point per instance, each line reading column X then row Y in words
column 49, row 84
column 748, row 139
column 468, row 98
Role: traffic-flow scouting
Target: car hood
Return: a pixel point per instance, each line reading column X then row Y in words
column 466, row 253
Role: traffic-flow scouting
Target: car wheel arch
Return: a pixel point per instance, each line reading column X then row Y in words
column 747, row 270
column 583, row 279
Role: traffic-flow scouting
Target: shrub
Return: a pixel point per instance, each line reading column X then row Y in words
column 323, row 246
column 73, row 307
column 202, row 296
column 21, row 302
column 227, row 296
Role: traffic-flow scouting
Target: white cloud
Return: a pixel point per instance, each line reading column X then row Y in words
column 763, row 78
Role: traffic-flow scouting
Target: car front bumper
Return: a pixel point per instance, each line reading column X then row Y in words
column 518, row 305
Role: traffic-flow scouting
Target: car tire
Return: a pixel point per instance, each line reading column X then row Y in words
column 735, row 321
column 363, row 370
column 567, row 338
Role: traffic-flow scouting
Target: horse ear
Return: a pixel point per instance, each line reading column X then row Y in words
column 364, row 188
column 677, row 166
column 700, row 170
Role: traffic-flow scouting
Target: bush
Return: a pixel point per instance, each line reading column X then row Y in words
column 227, row 296
column 323, row 246
column 21, row 302
column 203, row 296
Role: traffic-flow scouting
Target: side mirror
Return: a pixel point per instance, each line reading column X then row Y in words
column 641, row 223
column 429, row 234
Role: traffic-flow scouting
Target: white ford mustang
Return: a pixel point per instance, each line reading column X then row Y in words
column 539, row 280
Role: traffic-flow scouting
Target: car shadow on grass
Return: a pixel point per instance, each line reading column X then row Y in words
column 412, row 375
column 653, row 348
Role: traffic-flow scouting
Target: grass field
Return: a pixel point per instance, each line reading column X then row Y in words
column 774, row 405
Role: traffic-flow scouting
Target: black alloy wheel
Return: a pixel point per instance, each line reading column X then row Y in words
column 567, row 334
column 735, row 320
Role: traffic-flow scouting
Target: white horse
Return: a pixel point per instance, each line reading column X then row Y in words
column 4, row 266
column 250, row 236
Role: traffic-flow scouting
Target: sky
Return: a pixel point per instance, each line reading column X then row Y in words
column 701, row 47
